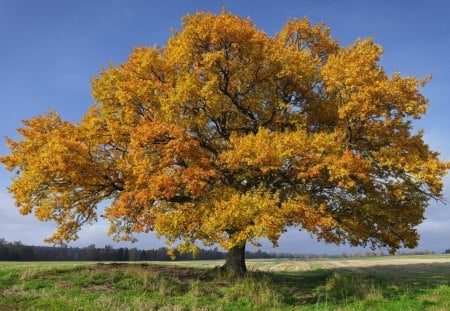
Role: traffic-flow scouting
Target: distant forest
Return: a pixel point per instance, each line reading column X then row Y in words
column 16, row 251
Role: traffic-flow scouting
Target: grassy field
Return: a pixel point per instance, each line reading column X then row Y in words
column 378, row 283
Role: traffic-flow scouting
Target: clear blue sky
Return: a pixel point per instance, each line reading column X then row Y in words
column 50, row 50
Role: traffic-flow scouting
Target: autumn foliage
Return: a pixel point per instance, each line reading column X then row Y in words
column 227, row 135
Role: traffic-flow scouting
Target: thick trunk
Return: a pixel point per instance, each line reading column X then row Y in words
column 236, row 260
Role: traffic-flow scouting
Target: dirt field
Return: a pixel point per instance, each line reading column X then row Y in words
column 351, row 264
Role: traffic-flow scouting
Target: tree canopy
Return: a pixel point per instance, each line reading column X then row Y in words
column 227, row 135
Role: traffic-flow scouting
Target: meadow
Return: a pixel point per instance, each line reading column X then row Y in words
column 376, row 283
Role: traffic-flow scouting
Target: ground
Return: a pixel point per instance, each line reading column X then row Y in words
column 376, row 283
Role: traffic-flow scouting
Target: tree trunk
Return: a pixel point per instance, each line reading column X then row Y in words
column 236, row 260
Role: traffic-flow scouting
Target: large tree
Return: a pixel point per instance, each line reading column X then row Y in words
column 227, row 135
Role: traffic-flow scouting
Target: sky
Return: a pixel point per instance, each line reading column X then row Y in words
column 50, row 51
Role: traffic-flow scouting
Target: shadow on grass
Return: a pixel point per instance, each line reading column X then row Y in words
column 359, row 283
column 101, row 286
column 293, row 288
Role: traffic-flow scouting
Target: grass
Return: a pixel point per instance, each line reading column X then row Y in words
column 364, row 284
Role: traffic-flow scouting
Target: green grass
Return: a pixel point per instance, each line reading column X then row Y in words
column 347, row 285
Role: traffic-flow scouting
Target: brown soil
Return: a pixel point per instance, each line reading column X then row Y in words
column 352, row 264
column 167, row 270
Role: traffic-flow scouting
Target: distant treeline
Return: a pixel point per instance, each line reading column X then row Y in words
column 16, row 251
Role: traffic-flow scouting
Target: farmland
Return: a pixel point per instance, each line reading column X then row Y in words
column 377, row 283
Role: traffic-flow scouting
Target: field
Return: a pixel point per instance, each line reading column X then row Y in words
column 377, row 283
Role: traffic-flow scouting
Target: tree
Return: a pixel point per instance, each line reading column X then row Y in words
column 227, row 135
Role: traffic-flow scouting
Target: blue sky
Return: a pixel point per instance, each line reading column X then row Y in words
column 50, row 50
